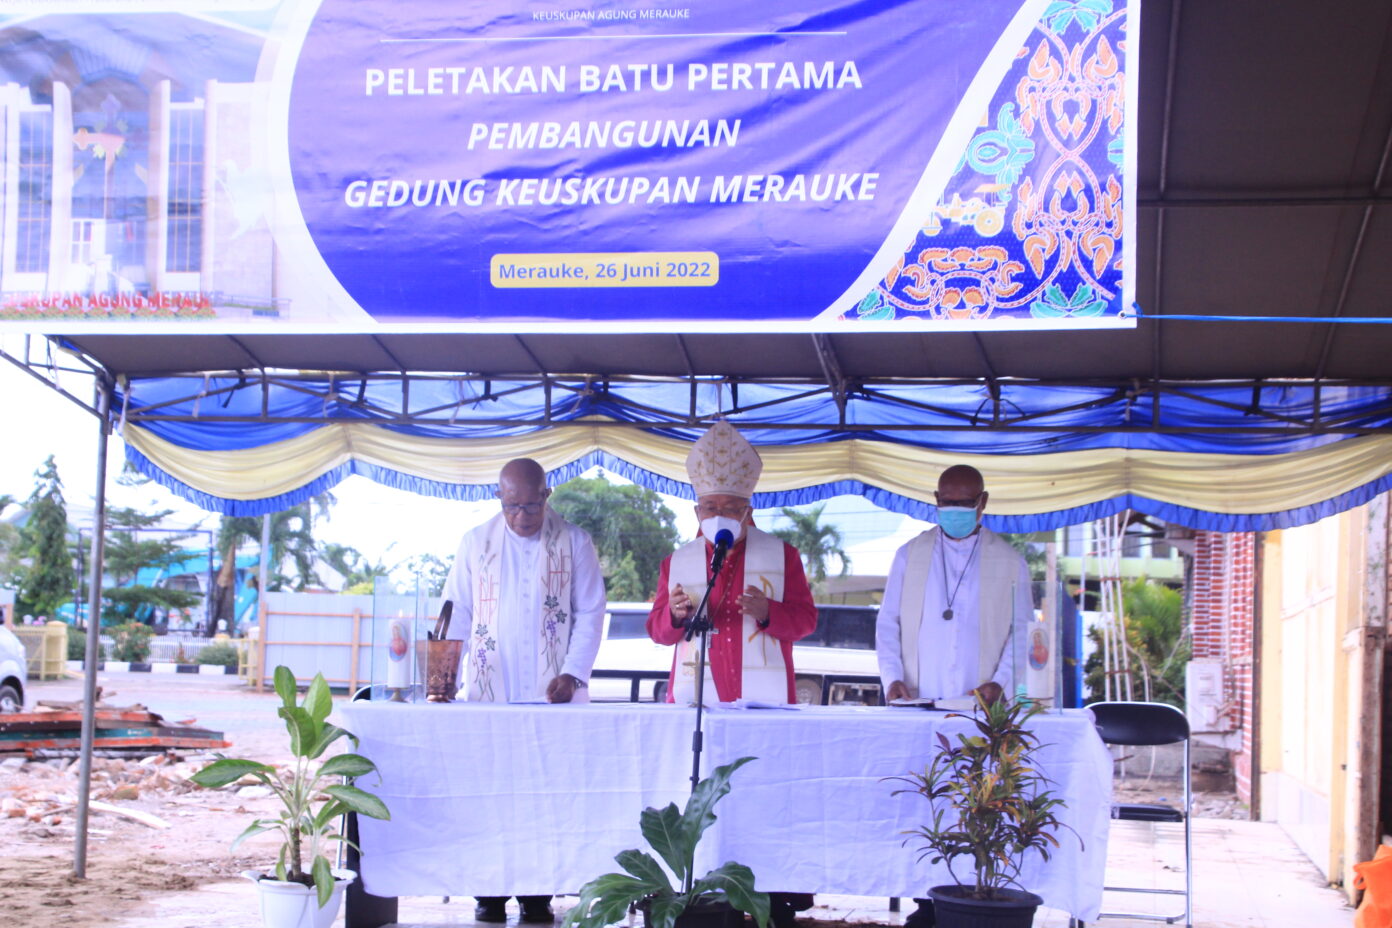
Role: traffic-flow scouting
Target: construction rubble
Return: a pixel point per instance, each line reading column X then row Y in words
column 137, row 755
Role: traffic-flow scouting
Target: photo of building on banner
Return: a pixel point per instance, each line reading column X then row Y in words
column 611, row 166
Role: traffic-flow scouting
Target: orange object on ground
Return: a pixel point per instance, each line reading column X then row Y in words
column 1374, row 877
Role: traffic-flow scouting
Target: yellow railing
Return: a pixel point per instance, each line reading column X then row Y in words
column 45, row 649
column 249, row 658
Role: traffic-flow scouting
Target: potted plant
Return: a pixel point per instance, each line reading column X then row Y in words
column 990, row 805
column 713, row 901
column 302, row 889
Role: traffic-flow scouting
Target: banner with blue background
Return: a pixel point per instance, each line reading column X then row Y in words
column 634, row 165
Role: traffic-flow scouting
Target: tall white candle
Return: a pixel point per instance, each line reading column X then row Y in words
column 398, row 654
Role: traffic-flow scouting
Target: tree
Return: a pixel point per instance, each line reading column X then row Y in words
column 12, row 567
column 1157, row 647
column 350, row 563
column 128, row 554
column 49, row 581
column 292, row 539
column 815, row 540
column 430, row 570
column 1032, row 553
column 632, row 529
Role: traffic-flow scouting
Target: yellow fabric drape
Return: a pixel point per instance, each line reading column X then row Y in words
column 1019, row 484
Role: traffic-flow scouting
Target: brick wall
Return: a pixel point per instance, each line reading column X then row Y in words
column 1223, row 583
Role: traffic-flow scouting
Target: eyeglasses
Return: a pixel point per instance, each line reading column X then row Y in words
column 958, row 503
column 530, row 509
column 730, row 512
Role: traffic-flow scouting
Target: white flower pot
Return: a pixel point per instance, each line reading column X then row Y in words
column 293, row 905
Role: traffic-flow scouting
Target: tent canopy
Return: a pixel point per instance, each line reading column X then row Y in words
column 1264, row 147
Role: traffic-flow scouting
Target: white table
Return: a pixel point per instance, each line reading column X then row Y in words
column 504, row 800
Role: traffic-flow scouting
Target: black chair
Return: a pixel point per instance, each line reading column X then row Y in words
column 1140, row 724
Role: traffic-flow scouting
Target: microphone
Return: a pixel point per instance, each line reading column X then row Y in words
column 723, row 540
column 699, row 621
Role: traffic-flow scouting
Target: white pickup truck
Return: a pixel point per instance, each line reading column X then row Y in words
column 835, row 664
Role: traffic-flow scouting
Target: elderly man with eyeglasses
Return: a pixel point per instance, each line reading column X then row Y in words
column 760, row 602
column 528, row 597
column 529, row 602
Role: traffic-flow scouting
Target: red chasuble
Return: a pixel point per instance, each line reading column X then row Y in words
column 795, row 617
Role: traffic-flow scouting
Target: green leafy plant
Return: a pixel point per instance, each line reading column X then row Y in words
column 674, row 836
column 130, row 641
column 219, row 653
column 988, row 799
column 77, row 645
column 311, row 799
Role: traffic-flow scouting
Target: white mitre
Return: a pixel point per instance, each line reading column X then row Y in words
column 723, row 461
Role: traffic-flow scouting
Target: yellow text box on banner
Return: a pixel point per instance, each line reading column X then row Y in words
column 606, row 269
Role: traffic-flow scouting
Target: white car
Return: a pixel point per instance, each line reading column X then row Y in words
column 837, row 659
column 12, row 664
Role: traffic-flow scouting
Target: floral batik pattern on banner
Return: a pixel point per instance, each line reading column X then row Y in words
column 1030, row 223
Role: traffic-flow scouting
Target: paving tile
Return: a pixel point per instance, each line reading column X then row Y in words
column 1246, row 875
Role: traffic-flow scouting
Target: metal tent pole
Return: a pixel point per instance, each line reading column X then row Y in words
column 263, row 569
column 94, row 591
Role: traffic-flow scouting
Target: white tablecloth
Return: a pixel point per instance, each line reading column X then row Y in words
column 500, row 800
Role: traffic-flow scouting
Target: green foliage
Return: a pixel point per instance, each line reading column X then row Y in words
column 49, row 580
column 357, row 571
column 988, row 799
column 1157, row 647
column 77, row 645
column 1033, row 554
column 139, row 603
column 311, row 798
column 291, row 539
column 430, row 571
column 674, row 836
column 815, row 540
column 632, row 530
column 220, row 653
column 127, row 552
column 131, row 642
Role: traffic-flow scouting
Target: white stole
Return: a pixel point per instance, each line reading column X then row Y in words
column 763, row 676
column 999, row 572
column 554, row 573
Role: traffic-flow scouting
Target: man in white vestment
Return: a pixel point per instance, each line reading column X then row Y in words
column 529, row 602
column 956, row 602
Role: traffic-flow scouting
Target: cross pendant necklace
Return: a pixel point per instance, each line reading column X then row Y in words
column 948, row 613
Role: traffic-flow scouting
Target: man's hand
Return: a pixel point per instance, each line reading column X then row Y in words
column 754, row 603
column 989, row 692
column 562, row 688
column 679, row 606
column 898, row 690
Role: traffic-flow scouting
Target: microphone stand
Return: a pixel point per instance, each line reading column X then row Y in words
column 700, row 623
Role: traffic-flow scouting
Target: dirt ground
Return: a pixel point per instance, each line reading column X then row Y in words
column 128, row 860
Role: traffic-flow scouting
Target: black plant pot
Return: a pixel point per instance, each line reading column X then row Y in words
column 955, row 908
column 704, row 915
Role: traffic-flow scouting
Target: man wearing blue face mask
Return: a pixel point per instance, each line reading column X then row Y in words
column 956, row 599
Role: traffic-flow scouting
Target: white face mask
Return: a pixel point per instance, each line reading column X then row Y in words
column 712, row 526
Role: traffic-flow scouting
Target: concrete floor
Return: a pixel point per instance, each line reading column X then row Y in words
column 1246, row 875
